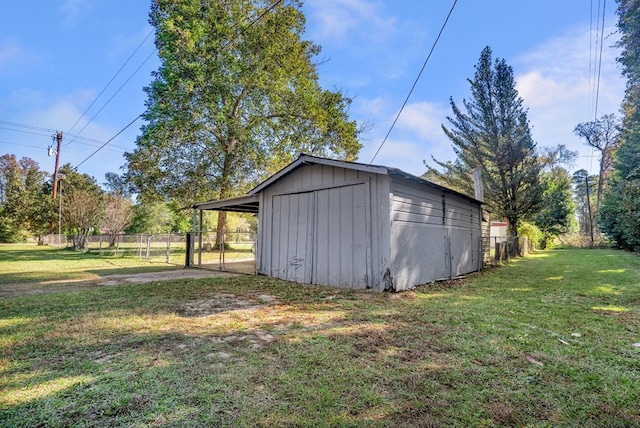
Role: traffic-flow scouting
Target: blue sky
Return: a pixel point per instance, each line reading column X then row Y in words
column 57, row 56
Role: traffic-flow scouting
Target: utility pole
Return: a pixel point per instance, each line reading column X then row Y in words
column 55, row 171
column 58, row 138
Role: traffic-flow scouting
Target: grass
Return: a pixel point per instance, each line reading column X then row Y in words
column 29, row 263
column 544, row 341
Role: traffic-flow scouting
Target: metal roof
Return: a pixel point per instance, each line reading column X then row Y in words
column 246, row 204
column 308, row 159
column 375, row 169
column 250, row 204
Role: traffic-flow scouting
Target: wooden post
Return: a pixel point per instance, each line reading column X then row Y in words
column 148, row 247
column 187, row 261
column 168, row 247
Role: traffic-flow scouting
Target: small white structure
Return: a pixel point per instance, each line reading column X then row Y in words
column 323, row 221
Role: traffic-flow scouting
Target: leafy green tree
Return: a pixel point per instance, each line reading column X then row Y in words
column 235, row 98
column 620, row 213
column 151, row 217
column 82, row 206
column 159, row 217
column 493, row 134
column 25, row 200
column 558, row 207
column 557, row 215
column 117, row 183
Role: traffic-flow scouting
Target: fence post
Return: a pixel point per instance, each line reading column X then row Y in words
column 140, row 246
column 100, row 248
column 148, row 247
column 168, row 247
column 223, row 239
column 187, row 261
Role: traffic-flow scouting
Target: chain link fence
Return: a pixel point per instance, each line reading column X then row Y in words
column 158, row 248
column 232, row 252
column 229, row 251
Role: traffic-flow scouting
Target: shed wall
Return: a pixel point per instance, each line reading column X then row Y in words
column 434, row 234
column 323, row 224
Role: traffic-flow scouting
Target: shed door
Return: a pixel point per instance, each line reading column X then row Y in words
column 341, row 236
column 292, row 223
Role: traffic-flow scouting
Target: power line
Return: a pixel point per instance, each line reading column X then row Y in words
column 23, row 145
column 250, row 24
column 416, row 81
column 108, row 141
column 31, row 147
column 48, row 131
column 109, row 83
column 604, row 4
column 140, row 115
column 42, row 134
column 116, row 93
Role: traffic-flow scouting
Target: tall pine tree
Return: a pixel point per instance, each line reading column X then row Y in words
column 492, row 133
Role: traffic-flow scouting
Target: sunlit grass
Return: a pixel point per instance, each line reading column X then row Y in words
column 41, row 390
column 29, row 263
column 503, row 348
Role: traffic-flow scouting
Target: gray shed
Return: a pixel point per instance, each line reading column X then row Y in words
column 353, row 225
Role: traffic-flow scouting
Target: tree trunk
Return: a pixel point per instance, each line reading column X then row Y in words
column 224, row 194
column 222, row 226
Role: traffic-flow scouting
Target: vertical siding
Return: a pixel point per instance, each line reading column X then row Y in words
column 434, row 234
column 350, row 215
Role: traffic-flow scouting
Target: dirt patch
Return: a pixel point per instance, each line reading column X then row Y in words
column 223, row 302
column 26, row 288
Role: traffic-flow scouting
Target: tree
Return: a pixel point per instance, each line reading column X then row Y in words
column 82, row 207
column 118, row 214
column 116, row 183
column 583, row 188
column 493, row 134
column 235, row 98
column 620, row 213
column 558, row 207
column 25, row 199
column 602, row 135
column 159, row 217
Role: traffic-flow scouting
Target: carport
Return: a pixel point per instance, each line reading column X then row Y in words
column 246, row 204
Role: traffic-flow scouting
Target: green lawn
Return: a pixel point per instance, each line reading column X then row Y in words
column 49, row 264
column 550, row 340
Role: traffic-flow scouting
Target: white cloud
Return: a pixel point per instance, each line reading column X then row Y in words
column 415, row 138
column 336, row 18
column 559, row 86
column 424, row 119
column 71, row 10
column 9, row 51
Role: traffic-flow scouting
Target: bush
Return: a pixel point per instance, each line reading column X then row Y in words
column 535, row 235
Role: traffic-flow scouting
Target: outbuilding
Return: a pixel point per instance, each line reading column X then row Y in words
column 353, row 225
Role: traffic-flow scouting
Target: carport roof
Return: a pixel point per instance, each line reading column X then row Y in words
column 246, row 204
